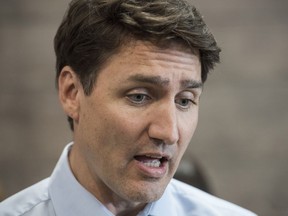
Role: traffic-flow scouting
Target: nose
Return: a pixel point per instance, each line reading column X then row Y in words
column 164, row 125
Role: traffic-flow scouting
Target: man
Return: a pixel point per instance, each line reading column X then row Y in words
column 130, row 74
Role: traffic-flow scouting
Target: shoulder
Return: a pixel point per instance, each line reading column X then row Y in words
column 189, row 197
column 33, row 200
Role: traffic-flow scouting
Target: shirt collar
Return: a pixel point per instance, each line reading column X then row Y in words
column 163, row 206
column 70, row 198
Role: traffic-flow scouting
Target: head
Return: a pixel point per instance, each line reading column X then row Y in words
column 130, row 76
column 94, row 30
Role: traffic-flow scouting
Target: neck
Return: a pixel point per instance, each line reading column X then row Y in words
column 124, row 210
column 114, row 203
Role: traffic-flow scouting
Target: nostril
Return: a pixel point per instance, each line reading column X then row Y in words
column 157, row 141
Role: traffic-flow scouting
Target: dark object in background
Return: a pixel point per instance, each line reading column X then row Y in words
column 190, row 172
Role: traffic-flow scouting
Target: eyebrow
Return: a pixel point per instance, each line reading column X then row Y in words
column 191, row 84
column 158, row 80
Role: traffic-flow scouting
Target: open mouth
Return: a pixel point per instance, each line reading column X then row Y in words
column 151, row 161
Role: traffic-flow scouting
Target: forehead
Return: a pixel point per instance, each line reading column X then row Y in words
column 145, row 52
column 174, row 62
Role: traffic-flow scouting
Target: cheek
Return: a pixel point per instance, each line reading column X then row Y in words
column 188, row 125
column 116, row 129
column 125, row 121
column 187, row 130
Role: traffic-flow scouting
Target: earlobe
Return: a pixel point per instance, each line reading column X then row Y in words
column 69, row 90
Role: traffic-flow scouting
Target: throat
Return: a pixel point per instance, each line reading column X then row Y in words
column 125, row 209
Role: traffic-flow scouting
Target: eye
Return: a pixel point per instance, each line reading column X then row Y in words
column 138, row 98
column 184, row 103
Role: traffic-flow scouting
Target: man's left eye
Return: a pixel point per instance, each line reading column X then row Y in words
column 184, row 103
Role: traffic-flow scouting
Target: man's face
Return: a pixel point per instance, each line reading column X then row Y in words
column 138, row 121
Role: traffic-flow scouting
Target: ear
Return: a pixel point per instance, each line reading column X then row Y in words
column 69, row 91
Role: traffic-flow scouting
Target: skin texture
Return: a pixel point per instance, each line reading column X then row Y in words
column 145, row 103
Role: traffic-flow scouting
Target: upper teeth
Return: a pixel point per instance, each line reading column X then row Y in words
column 152, row 163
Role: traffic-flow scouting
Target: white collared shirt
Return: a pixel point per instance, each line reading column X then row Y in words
column 62, row 195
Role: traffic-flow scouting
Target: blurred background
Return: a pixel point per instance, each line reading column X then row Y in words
column 241, row 142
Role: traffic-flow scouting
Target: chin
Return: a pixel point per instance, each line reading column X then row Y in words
column 145, row 196
column 147, row 193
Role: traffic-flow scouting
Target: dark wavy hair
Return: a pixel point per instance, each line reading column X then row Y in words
column 94, row 30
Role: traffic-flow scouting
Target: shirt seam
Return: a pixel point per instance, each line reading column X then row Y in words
column 34, row 206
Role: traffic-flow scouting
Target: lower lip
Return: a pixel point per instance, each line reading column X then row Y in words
column 152, row 172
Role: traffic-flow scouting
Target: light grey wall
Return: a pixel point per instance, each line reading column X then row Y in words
column 241, row 140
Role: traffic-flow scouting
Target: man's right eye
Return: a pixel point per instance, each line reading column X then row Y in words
column 138, row 98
